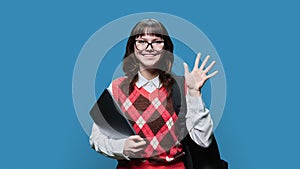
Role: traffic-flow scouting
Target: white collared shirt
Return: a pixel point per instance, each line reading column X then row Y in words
column 148, row 85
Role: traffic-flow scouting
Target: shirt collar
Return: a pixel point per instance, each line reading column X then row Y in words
column 142, row 81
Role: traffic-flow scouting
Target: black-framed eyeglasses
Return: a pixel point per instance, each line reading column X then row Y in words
column 155, row 45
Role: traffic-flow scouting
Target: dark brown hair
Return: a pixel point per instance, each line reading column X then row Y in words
column 131, row 64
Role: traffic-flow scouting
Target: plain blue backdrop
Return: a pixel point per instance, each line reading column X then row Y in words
column 257, row 41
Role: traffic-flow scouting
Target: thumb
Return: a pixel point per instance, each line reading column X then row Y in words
column 186, row 69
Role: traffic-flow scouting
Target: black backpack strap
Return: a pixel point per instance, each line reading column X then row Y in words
column 196, row 157
column 179, row 105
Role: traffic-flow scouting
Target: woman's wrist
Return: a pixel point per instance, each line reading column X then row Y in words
column 194, row 92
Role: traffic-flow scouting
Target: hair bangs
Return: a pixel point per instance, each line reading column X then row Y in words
column 149, row 27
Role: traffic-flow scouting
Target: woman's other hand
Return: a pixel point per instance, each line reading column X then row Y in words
column 198, row 76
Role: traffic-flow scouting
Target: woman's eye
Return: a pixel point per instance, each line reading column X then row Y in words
column 158, row 42
column 141, row 41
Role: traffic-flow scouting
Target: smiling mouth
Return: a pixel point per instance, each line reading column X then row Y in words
column 149, row 55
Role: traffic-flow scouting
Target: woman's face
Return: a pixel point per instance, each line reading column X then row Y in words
column 147, row 50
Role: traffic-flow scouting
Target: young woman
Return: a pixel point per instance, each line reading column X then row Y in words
column 144, row 95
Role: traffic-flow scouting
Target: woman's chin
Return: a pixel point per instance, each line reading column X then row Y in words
column 149, row 67
column 149, row 64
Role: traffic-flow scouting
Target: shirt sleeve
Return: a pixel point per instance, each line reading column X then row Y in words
column 198, row 121
column 107, row 146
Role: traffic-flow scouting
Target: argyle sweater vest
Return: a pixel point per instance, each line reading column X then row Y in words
column 152, row 117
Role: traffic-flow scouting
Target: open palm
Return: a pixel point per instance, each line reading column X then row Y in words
column 198, row 76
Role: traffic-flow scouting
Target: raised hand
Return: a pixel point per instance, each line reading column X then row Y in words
column 198, row 76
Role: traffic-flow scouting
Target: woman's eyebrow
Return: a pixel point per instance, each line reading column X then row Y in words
column 156, row 38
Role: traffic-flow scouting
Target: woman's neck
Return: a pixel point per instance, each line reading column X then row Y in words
column 149, row 73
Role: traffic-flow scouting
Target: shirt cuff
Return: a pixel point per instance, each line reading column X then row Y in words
column 117, row 147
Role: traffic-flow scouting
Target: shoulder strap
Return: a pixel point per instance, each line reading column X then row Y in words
column 177, row 94
column 196, row 156
column 179, row 103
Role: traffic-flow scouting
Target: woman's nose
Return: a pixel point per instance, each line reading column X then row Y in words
column 149, row 47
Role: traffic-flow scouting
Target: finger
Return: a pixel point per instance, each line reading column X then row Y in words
column 136, row 138
column 210, row 66
column 204, row 62
column 138, row 150
column 140, row 144
column 138, row 153
column 212, row 74
column 197, row 60
column 186, row 69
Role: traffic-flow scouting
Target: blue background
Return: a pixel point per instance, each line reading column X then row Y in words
column 257, row 41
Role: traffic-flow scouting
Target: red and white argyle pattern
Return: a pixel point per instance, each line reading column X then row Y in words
column 152, row 117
